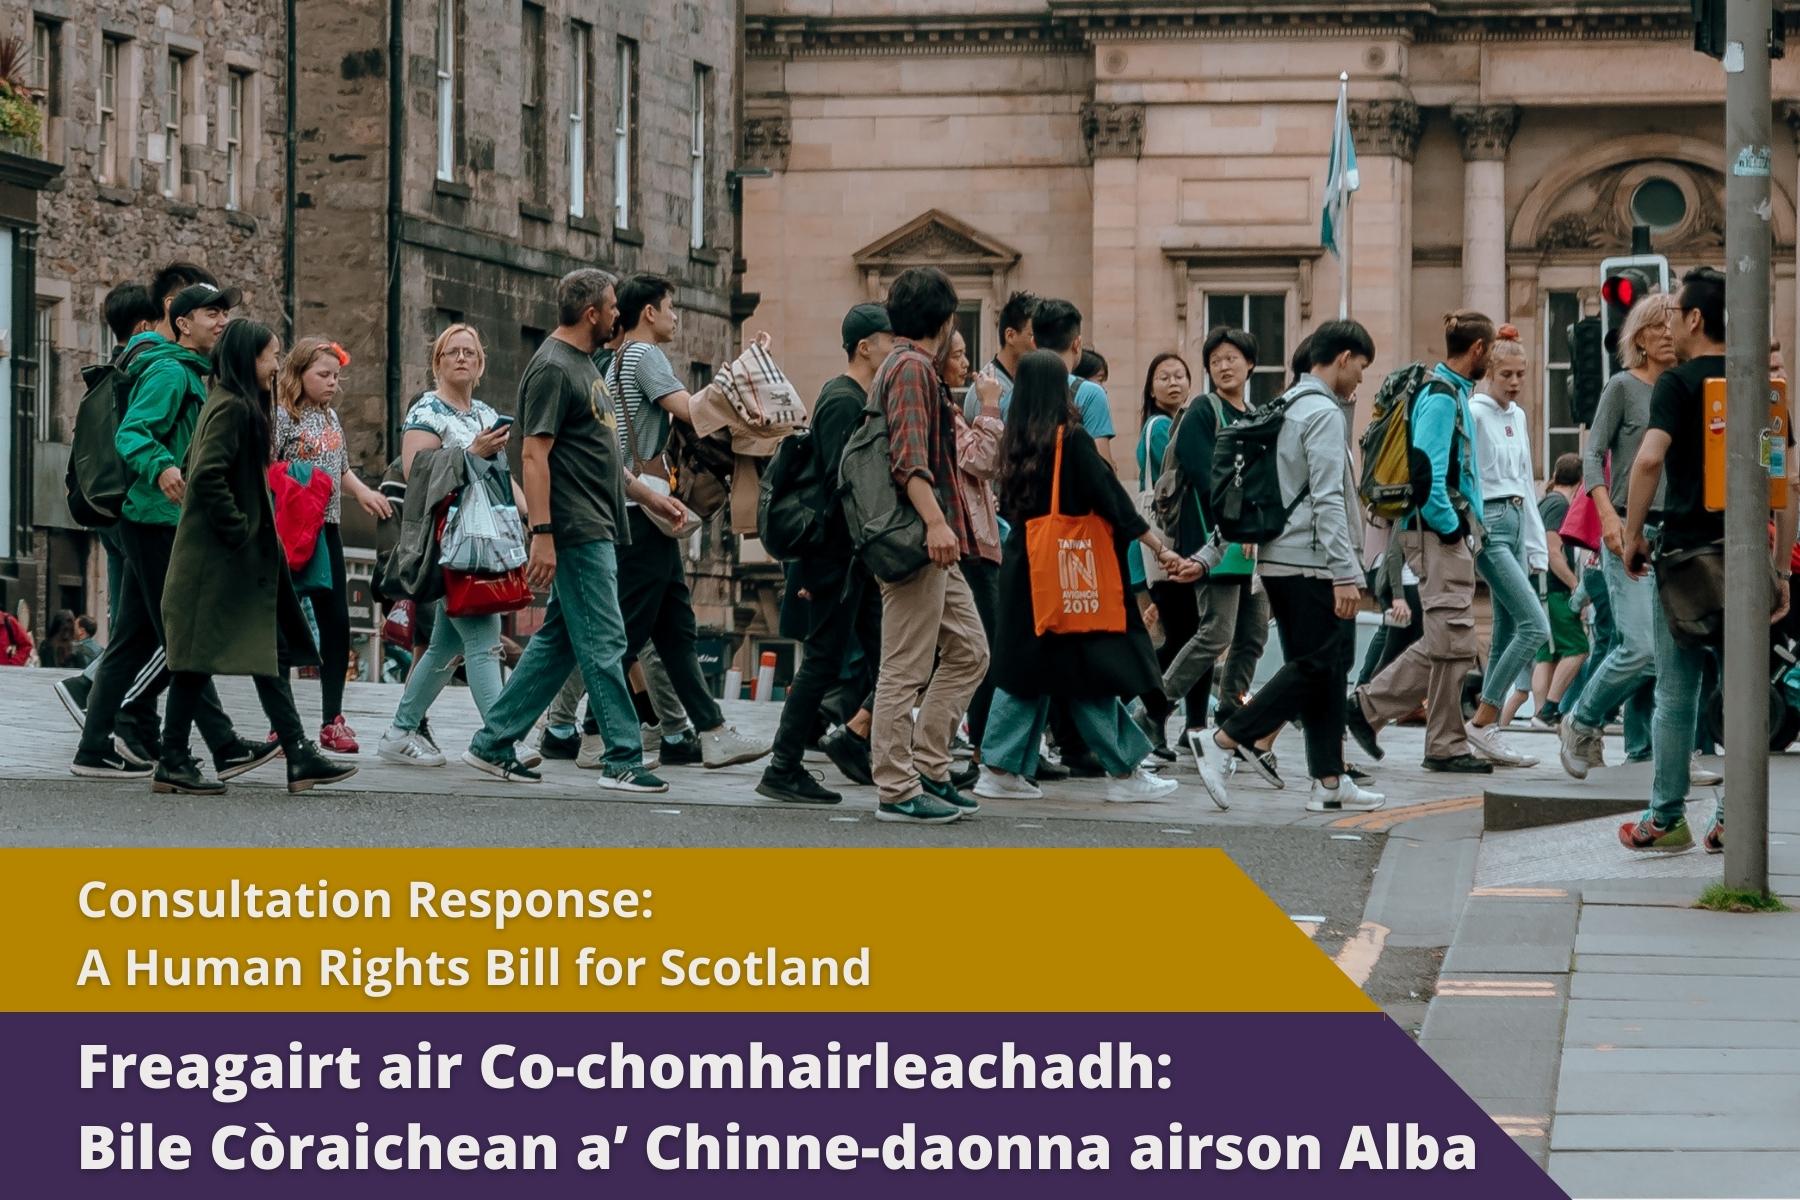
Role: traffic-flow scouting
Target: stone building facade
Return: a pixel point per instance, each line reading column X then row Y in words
column 167, row 123
column 1163, row 166
column 454, row 168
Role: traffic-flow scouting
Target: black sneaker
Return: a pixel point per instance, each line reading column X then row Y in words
column 424, row 731
column 243, row 756
column 106, row 765
column 1083, row 765
column 1358, row 776
column 923, row 809
column 1461, row 764
column 795, row 786
column 947, row 793
column 1263, row 763
column 307, row 768
column 1050, row 772
column 135, row 745
column 631, row 779
column 1163, row 751
column 179, row 774
column 966, row 778
column 554, row 745
column 850, row 755
column 683, row 751
column 73, row 692
column 505, row 765
column 1359, row 728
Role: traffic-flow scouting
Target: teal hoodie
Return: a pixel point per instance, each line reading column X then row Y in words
column 168, row 386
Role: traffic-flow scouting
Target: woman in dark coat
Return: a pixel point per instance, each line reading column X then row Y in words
column 1091, row 671
column 228, row 605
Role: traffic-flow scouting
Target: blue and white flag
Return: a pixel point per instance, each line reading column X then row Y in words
column 1340, row 178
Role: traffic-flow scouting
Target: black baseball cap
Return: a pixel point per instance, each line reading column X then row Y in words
column 865, row 320
column 202, row 295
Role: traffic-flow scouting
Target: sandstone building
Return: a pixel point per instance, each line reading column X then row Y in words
column 1163, row 166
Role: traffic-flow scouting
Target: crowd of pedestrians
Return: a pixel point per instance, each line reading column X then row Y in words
column 1242, row 514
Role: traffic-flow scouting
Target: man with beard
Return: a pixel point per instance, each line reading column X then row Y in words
column 1439, row 537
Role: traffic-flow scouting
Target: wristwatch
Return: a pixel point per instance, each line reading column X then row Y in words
column 545, row 528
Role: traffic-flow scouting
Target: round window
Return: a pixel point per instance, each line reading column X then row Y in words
column 1658, row 203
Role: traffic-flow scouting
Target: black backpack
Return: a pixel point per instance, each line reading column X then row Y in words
column 1245, row 488
column 887, row 531
column 97, row 478
column 795, row 499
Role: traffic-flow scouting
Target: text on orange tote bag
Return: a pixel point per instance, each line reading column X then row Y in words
column 1075, row 584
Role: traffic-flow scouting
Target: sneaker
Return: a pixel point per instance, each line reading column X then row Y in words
column 1646, row 834
column 795, row 786
column 1358, row 776
column 1459, row 764
column 1545, row 724
column 960, row 747
column 922, row 809
column 1262, row 762
column 1004, row 785
column 337, row 736
column 1137, row 787
column 947, row 793
column 307, row 768
column 242, row 756
column 1359, row 727
column 408, row 748
column 1050, row 771
column 424, row 731
column 179, row 774
column 1345, row 797
column 73, row 692
column 591, row 755
column 527, row 755
column 134, row 747
column 1083, row 766
column 631, row 779
column 1701, row 776
column 726, row 747
column 1210, row 759
column 850, row 755
column 1714, row 841
column 1488, row 742
column 107, row 765
column 966, row 778
column 683, row 751
column 506, row 767
column 1580, row 748
column 559, row 745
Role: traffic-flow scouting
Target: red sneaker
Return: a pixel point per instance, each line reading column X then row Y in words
column 1646, row 834
column 1714, row 841
column 337, row 736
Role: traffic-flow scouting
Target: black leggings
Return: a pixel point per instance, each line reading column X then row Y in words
column 186, row 688
column 1180, row 620
column 332, row 612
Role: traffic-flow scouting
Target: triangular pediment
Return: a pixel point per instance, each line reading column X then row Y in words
column 937, row 239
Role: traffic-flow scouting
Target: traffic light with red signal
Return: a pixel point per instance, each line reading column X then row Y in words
column 1624, row 282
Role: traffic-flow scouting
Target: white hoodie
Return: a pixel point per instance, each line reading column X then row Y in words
column 1503, row 455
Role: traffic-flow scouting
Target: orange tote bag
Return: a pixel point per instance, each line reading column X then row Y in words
column 1075, row 584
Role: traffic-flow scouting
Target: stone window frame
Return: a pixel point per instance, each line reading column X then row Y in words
column 534, row 108
column 114, row 152
column 627, row 58
column 700, row 157
column 580, row 120
column 447, row 89
column 1270, row 274
column 50, row 312
column 177, row 167
column 240, row 151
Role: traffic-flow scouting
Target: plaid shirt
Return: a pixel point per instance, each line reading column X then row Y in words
column 921, row 424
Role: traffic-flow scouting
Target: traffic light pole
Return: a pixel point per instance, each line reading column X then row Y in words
column 1747, row 216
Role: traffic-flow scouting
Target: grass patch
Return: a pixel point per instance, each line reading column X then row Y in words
column 1720, row 898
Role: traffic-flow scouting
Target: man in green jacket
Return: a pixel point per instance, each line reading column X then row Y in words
column 168, row 387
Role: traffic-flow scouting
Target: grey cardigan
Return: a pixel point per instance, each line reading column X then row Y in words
column 410, row 571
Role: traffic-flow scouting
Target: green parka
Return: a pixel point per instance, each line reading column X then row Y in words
column 228, row 604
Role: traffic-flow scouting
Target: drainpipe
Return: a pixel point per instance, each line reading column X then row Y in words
column 291, row 296
column 396, row 158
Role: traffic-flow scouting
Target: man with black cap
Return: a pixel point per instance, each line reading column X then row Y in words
column 829, row 596
column 168, row 388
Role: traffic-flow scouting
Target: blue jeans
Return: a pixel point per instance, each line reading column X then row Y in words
column 1520, row 626
column 1620, row 678
column 1015, row 729
column 1678, row 672
column 583, row 623
column 477, row 641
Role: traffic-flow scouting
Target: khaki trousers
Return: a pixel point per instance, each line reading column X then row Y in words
column 1433, row 668
column 928, row 618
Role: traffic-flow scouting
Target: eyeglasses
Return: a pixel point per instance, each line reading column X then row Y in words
column 462, row 352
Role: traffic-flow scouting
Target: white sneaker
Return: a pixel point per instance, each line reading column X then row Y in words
column 406, row 746
column 1345, row 797
column 1211, row 762
column 1488, row 742
column 528, row 755
column 592, row 753
column 1701, row 776
column 1137, row 787
column 651, row 735
column 1004, row 785
column 725, row 747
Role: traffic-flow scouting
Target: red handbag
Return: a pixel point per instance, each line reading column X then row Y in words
column 481, row 593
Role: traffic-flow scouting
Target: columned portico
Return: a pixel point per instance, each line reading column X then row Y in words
column 1486, row 132
column 1387, row 139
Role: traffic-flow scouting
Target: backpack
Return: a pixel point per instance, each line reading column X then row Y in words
column 97, row 478
column 887, row 533
column 1171, row 484
column 794, row 499
column 1395, row 476
column 1245, row 489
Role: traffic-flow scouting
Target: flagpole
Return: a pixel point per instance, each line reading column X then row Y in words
column 1349, row 199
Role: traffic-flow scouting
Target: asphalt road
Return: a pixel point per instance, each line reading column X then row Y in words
column 1304, row 869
